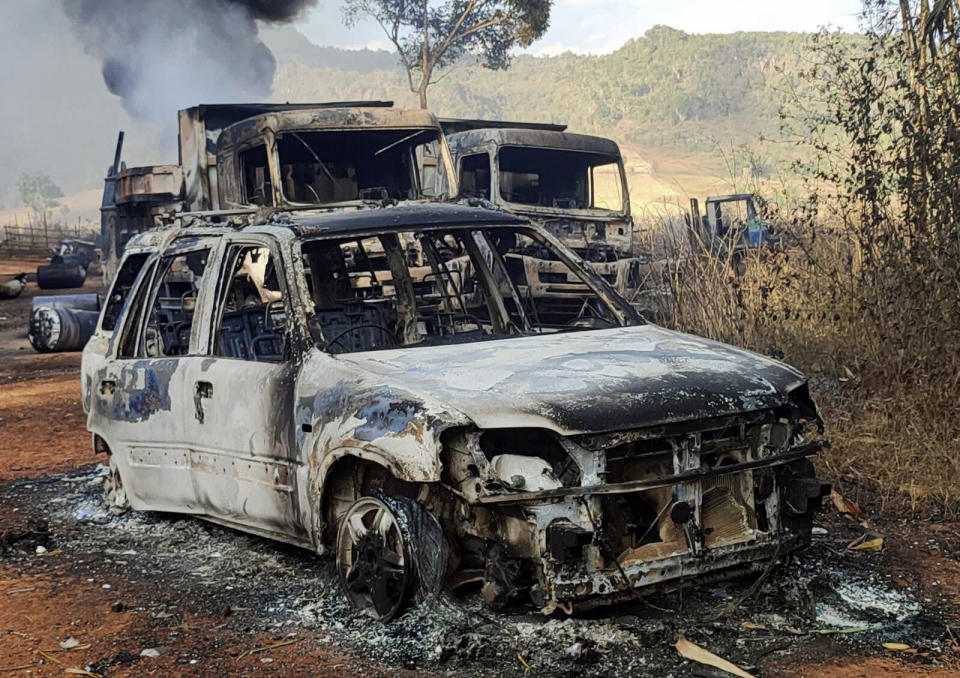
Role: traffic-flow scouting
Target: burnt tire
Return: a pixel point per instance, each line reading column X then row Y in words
column 391, row 553
column 114, row 492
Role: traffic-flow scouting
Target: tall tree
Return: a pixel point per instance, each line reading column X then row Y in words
column 39, row 193
column 431, row 36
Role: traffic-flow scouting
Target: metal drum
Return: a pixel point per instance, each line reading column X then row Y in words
column 80, row 302
column 60, row 276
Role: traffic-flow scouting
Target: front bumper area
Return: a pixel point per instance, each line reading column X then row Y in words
column 597, row 518
column 714, row 564
column 702, row 525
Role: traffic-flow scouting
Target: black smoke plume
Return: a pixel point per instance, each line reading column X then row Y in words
column 161, row 55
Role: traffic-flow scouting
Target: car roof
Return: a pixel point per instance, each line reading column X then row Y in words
column 285, row 227
column 403, row 218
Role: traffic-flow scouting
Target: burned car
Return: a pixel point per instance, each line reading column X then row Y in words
column 375, row 384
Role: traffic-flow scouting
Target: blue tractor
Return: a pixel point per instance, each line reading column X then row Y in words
column 730, row 223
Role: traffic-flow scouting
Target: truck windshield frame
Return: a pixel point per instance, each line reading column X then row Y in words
column 344, row 165
column 561, row 179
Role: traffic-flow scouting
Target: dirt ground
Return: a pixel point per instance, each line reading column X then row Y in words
column 150, row 594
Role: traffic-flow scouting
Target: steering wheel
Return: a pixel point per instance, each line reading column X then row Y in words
column 385, row 330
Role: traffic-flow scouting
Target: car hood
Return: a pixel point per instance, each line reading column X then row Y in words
column 581, row 382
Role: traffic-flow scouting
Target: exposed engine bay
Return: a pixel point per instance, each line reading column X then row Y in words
column 566, row 520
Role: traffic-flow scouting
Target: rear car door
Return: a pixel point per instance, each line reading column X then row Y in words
column 138, row 403
column 240, row 428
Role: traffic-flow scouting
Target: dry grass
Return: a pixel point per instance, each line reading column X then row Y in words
column 885, row 374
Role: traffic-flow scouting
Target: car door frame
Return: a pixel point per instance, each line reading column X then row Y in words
column 137, row 401
column 247, row 467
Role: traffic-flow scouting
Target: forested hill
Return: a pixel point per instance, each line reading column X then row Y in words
column 665, row 88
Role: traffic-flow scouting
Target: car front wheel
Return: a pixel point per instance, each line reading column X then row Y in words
column 374, row 557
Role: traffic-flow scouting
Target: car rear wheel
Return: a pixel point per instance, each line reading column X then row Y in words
column 374, row 557
column 114, row 493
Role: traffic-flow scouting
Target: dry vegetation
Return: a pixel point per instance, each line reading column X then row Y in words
column 866, row 293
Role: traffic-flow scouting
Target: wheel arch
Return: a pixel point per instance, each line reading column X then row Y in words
column 349, row 476
column 101, row 445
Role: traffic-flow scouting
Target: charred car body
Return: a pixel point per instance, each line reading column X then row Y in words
column 574, row 185
column 309, row 379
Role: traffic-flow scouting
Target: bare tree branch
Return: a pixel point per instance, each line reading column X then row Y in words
column 426, row 40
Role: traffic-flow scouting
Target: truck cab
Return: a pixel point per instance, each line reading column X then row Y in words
column 238, row 160
column 574, row 185
column 730, row 223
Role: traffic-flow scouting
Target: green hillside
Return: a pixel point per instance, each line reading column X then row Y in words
column 671, row 99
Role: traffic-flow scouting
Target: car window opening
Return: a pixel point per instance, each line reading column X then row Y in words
column 122, row 285
column 252, row 317
column 439, row 287
column 174, row 303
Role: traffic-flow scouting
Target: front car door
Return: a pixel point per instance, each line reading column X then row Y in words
column 241, row 387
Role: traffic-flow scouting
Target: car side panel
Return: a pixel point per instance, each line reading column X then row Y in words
column 240, row 448
column 138, row 407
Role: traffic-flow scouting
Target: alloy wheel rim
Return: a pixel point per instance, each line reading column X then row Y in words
column 373, row 559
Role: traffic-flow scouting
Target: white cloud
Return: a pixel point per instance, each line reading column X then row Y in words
column 574, row 23
column 375, row 45
column 385, row 45
column 601, row 26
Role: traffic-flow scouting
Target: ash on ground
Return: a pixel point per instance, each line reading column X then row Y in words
column 260, row 585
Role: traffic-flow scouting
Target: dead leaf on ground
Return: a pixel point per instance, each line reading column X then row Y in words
column 257, row 650
column 866, row 542
column 48, row 657
column 697, row 654
column 849, row 629
column 847, row 507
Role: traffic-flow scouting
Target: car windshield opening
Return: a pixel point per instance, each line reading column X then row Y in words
column 320, row 167
column 563, row 179
column 442, row 286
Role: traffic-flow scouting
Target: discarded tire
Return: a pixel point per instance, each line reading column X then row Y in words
column 80, row 302
column 60, row 276
column 55, row 330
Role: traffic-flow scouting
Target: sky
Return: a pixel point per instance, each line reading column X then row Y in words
column 601, row 26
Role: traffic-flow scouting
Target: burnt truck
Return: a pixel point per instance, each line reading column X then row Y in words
column 574, row 185
column 240, row 162
column 314, row 379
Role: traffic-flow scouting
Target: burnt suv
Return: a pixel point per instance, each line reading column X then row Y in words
column 378, row 384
